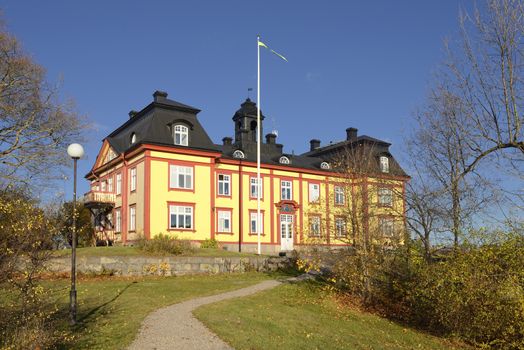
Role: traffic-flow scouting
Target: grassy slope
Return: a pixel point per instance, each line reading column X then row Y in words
column 110, row 311
column 134, row 251
column 305, row 317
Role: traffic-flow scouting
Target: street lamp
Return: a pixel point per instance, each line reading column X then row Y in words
column 75, row 151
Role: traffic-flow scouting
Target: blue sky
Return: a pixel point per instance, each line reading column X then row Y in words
column 365, row 64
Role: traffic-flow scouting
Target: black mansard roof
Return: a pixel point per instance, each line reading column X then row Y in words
column 153, row 125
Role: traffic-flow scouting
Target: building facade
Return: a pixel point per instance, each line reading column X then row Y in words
column 160, row 173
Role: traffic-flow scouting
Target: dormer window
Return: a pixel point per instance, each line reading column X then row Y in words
column 133, row 138
column 324, row 165
column 180, row 135
column 284, row 160
column 238, row 154
column 384, row 164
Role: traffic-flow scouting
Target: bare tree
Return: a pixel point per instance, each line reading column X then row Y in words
column 34, row 127
column 486, row 74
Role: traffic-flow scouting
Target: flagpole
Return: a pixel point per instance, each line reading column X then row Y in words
column 258, row 145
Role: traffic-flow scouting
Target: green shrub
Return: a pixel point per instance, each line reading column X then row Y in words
column 209, row 243
column 165, row 244
column 475, row 293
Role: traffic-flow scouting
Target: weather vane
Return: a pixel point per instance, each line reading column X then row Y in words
column 248, row 90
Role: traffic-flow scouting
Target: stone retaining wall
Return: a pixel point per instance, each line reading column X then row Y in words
column 167, row 266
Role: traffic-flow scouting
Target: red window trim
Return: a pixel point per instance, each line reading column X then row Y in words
column 335, row 226
column 230, row 210
column 384, row 205
column 180, row 163
column 335, row 198
column 310, row 216
column 230, row 174
column 289, row 179
column 262, row 212
column 251, row 198
column 184, row 204
column 308, row 191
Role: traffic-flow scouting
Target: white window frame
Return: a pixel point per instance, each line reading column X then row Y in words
column 385, row 196
column 384, row 164
column 314, row 226
column 224, row 185
column 239, row 154
column 118, row 220
column 340, row 196
column 180, row 135
column 224, row 221
column 132, row 218
column 103, row 185
column 178, row 173
column 340, row 227
column 387, row 226
column 181, row 212
column 110, row 184
column 284, row 160
column 119, row 183
column 254, row 224
column 324, row 165
column 314, row 192
column 132, row 183
column 253, row 187
column 286, row 190
column 133, row 138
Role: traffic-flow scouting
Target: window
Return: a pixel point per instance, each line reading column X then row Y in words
column 110, row 184
column 224, row 185
column 103, row 185
column 132, row 218
column 133, row 179
column 253, row 187
column 180, row 135
column 284, row 160
column 254, row 223
column 239, row 154
column 286, row 190
column 314, row 226
column 119, row 183
column 385, row 196
column 224, row 221
column 314, row 192
column 384, row 164
column 133, row 138
column 386, row 226
column 324, row 165
column 118, row 220
column 340, row 227
column 181, row 177
column 180, row 217
column 340, row 196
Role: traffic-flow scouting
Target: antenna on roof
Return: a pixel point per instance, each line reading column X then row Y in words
column 249, row 90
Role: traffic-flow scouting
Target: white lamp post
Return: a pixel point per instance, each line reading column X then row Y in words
column 75, row 151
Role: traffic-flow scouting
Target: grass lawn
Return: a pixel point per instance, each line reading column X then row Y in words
column 134, row 251
column 110, row 310
column 303, row 316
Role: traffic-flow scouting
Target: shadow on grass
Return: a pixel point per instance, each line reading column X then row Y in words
column 85, row 319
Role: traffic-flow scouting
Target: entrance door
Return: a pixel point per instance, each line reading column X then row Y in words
column 286, row 232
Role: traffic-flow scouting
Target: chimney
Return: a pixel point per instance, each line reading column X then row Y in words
column 314, row 144
column 159, row 95
column 351, row 134
column 132, row 113
column 271, row 138
column 227, row 141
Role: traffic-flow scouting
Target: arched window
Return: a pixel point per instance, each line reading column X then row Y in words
column 133, row 138
column 180, row 135
column 384, row 164
column 324, row 165
column 238, row 154
column 284, row 160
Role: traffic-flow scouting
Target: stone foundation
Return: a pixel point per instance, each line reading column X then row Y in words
column 167, row 266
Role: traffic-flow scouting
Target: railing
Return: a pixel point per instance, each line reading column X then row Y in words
column 99, row 197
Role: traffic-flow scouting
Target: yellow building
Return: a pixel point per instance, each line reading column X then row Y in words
column 160, row 173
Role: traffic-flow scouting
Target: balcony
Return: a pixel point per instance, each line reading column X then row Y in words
column 99, row 199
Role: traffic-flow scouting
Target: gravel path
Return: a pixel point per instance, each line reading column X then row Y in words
column 175, row 327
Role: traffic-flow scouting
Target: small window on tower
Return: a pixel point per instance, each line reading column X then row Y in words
column 180, row 135
column 238, row 154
